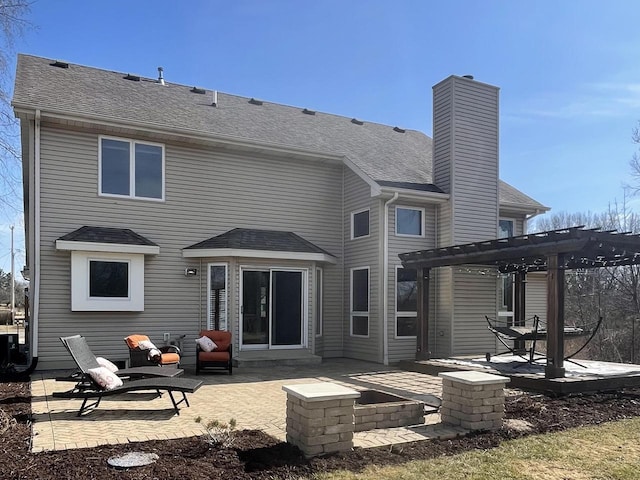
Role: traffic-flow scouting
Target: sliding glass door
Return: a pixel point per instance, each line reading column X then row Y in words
column 273, row 308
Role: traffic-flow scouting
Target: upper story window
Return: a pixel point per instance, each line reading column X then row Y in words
column 505, row 228
column 360, row 224
column 410, row 221
column 131, row 169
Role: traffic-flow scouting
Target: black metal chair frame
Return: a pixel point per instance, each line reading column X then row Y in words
column 521, row 334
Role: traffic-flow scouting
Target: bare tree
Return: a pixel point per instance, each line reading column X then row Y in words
column 12, row 25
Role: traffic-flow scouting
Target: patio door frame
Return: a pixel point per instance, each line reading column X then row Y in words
column 304, row 308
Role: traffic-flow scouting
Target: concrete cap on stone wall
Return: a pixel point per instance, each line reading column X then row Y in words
column 474, row 378
column 320, row 392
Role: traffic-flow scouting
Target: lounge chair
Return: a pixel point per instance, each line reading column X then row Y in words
column 158, row 379
column 89, row 390
column 168, row 355
column 85, row 359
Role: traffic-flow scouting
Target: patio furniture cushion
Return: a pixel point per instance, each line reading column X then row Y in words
column 167, row 358
column 213, row 356
column 103, row 362
column 105, row 378
column 135, row 339
column 206, row 344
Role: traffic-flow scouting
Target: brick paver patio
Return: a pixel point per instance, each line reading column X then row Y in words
column 254, row 397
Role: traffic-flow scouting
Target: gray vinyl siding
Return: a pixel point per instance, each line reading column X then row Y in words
column 362, row 252
column 465, row 166
column 474, row 297
column 536, row 295
column 404, row 348
column 207, row 193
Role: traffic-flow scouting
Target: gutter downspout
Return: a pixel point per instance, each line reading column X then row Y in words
column 385, row 280
column 35, row 312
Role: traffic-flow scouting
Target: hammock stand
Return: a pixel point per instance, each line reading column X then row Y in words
column 537, row 330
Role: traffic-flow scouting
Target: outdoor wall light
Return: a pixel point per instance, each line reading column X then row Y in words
column 190, row 272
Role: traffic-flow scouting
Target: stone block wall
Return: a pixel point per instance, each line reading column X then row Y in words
column 473, row 400
column 320, row 417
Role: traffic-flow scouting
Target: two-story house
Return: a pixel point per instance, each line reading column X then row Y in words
column 159, row 208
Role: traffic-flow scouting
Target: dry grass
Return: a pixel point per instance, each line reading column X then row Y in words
column 610, row 451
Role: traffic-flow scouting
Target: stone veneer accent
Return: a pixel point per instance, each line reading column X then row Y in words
column 473, row 400
column 320, row 417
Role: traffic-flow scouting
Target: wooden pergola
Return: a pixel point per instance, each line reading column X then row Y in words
column 554, row 251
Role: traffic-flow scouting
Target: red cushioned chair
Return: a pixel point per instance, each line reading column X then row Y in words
column 170, row 354
column 220, row 357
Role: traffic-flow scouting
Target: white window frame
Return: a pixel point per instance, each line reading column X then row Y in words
column 403, row 314
column 353, row 214
column 319, row 299
column 359, row 313
column 132, row 168
column 224, row 323
column 81, row 301
column 422, row 219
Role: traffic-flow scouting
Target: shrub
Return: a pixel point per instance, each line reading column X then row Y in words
column 219, row 433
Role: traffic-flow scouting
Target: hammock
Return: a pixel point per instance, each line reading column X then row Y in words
column 533, row 330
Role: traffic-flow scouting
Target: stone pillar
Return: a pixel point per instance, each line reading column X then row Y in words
column 320, row 417
column 473, row 400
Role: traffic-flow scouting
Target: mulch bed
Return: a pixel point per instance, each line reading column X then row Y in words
column 255, row 455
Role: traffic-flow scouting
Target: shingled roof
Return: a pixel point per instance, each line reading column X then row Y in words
column 386, row 154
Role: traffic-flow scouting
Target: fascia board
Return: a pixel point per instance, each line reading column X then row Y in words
column 267, row 254
column 414, row 195
column 106, row 247
column 525, row 209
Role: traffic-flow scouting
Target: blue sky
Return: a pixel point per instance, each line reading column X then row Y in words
column 568, row 70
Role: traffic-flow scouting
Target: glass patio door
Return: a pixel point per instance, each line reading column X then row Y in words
column 272, row 309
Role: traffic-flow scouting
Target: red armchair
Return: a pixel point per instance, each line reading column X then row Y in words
column 220, row 356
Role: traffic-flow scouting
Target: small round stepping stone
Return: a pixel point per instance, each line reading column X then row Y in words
column 133, row 459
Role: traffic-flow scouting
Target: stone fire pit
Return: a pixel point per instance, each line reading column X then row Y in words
column 376, row 409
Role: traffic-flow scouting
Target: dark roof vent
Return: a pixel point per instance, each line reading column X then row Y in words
column 253, row 101
column 133, row 78
column 59, row 64
column 201, row 91
column 470, row 77
column 308, row 112
column 399, row 130
column 356, row 121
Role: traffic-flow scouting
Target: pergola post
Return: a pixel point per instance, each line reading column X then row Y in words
column 555, row 316
column 519, row 309
column 422, row 327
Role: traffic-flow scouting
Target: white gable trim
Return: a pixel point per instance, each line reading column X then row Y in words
column 241, row 252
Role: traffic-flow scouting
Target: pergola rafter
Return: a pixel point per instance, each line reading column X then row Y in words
column 553, row 251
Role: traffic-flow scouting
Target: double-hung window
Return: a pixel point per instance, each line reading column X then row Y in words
column 360, row 302
column 410, row 221
column 505, row 282
column 129, row 168
column 406, row 302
